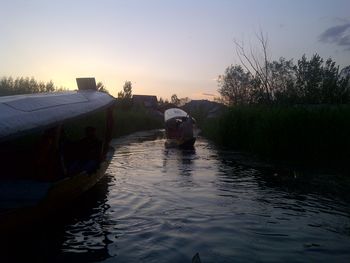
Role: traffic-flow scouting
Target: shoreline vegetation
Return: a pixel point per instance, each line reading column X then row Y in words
column 20, row 85
column 282, row 111
column 308, row 144
column 132, row 119
column 285, row 111
column 309, row 135
column 305, row 148
column 294, row 116
column 304, row 135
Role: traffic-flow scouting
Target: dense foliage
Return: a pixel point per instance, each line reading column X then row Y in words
column 21, row 85
column 128, row 120
column 312, row 135
column 313, row 81
column 124, row 98
column 126, row 93
column 10, row 86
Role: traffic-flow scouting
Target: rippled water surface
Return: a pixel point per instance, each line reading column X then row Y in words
column 165, row 205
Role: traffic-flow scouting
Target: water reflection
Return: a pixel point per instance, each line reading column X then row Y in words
column 165, row 205
column 80, row 233
column 286, row 205
column 87, row 236
column 296, row 181
column 182, row 159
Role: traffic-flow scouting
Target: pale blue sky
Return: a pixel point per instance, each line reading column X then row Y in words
column 162, row 47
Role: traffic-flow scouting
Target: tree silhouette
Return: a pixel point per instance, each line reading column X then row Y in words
column 20, row 85
column 257, row 67
column 236, row 85
column 126, row 93
column 175, row 100
column 281, row 82
column 101, row 87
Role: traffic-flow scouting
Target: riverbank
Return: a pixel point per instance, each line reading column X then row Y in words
column 309, row 146
column 304, row 135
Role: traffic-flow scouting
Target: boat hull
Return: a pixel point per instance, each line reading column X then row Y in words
column 179, row 128
column 58, row 196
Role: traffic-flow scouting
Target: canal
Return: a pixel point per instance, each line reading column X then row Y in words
column 165, row 205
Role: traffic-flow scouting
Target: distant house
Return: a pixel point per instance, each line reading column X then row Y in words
column 208, row 108
column 148, row 101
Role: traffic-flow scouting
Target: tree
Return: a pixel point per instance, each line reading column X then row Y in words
column 256, row 67
column 236, row 85
column 344, row 84
column 259, row 80
column 127, row 91
column 49, row 87
column 282, row 75
column 124, row 96
column 175, row 100
column 321, row 82
column 330, row 88
column 9, row 86
column 101, row 87
column 309, row 79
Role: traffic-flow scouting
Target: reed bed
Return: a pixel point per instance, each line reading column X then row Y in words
column 316, row 135
column 134, row 119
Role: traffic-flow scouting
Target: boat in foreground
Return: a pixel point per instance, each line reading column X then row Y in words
column 179, row 127
column 53, row 148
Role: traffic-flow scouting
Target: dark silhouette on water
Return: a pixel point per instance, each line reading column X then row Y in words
column 45, row 240
column 88, row 153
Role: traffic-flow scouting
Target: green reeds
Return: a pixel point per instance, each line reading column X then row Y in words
column 306, row 134
column 134, row 119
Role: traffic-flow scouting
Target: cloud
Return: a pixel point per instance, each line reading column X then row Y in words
column 339, row 35
column 208, row 94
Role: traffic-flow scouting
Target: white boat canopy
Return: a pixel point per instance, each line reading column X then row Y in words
column 174, row 113
column 20, row 114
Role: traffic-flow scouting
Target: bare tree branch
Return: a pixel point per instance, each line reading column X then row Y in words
column 251, row 63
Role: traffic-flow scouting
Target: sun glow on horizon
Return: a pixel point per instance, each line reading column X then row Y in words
column 162, row 47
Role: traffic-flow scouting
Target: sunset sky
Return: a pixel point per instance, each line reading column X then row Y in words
column 163, row 47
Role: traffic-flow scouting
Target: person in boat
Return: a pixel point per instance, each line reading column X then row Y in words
column 89, row 153
column 173, row 128
column 49, row 162
column 186, row 128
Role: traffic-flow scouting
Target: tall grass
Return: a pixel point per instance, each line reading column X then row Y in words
column 306, row 134
column 134, row 119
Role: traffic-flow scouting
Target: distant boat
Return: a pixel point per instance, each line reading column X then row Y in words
column 53, row 147
column 179, row 128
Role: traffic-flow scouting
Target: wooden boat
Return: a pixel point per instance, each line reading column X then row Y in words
column 53, row 148
column 179, row 128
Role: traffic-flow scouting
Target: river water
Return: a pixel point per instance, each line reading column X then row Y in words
column 165, row 205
